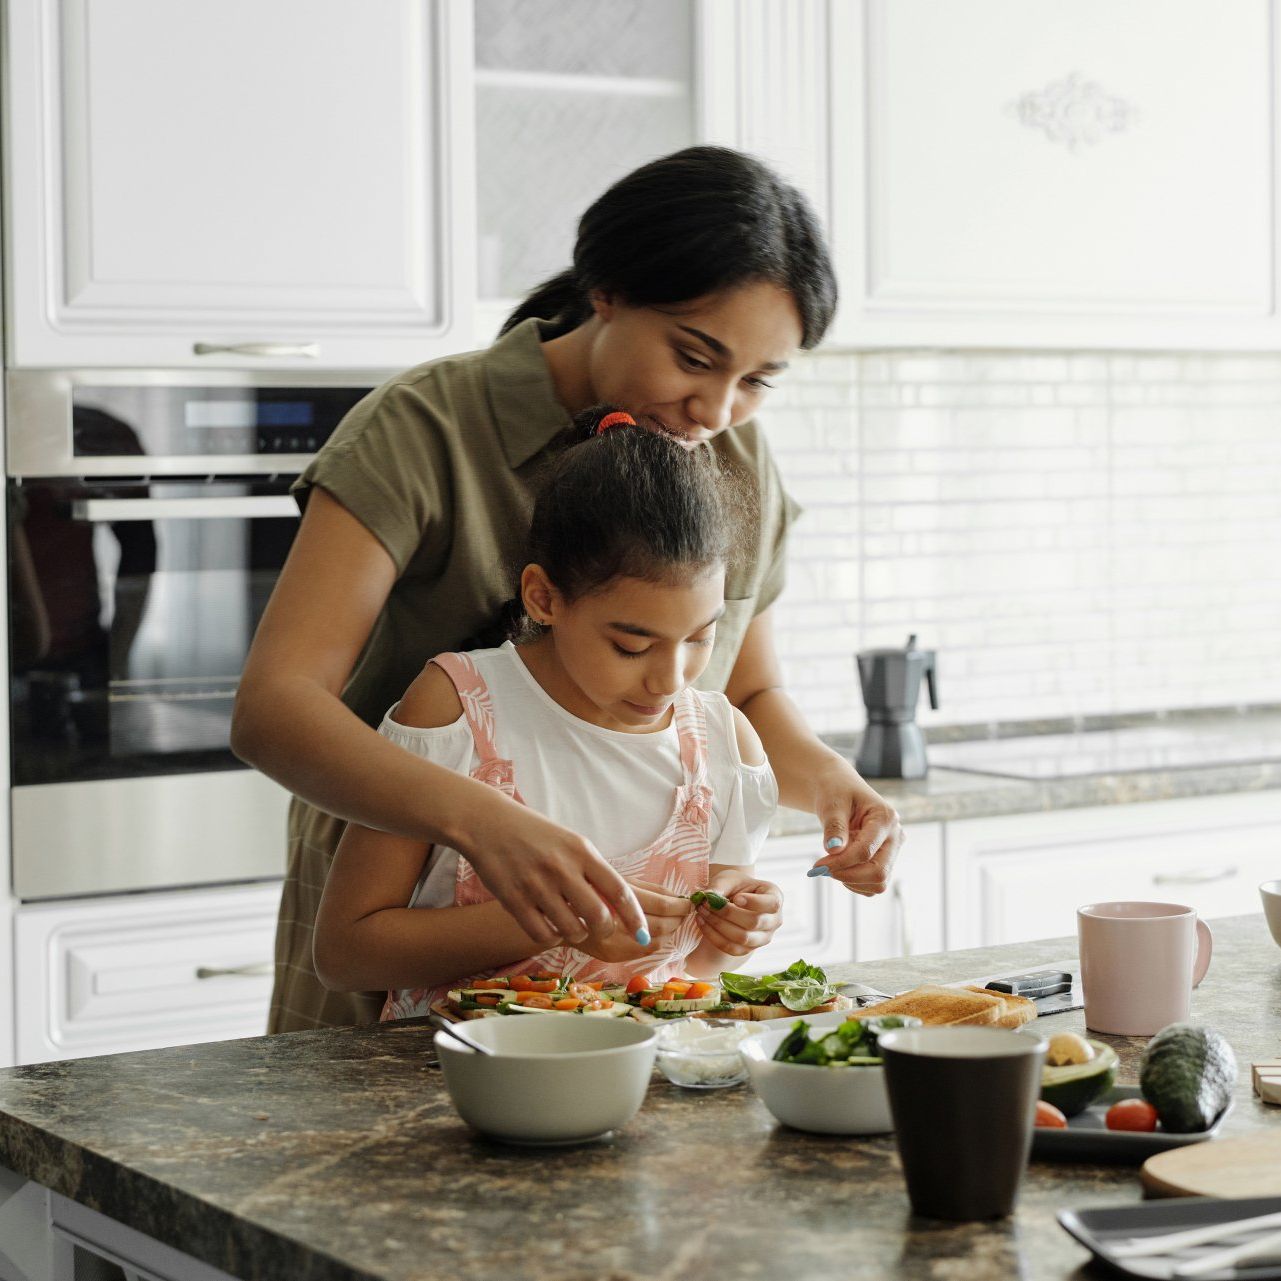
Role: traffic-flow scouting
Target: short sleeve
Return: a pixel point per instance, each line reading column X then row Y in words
column 387, row 464
column 753, row 800
column 448, row 745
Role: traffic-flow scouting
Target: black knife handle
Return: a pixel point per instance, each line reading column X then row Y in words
column 1033, row 984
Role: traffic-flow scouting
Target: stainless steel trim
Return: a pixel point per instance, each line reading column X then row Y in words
column 1194, row 878
column 311, row 350
column 251, row 506
column 38, row 419
column 253, row 969
column 156, row 832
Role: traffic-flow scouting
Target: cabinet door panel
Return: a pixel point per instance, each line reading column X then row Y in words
column 818, row 920
column 1023, row 877
column 143, row 971
column 907, row 920
column 233, row 172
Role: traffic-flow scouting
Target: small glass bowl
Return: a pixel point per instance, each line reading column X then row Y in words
column 706, row 1058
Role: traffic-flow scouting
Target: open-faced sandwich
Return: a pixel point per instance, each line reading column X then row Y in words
column 535, row 993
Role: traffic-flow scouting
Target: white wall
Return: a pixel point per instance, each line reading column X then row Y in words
column 1074, row 533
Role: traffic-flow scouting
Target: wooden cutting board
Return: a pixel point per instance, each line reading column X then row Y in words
column 1248, row 1166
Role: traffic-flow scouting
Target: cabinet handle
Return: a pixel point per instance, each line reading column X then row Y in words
column 309, row 349
column 900, row 911
column 1194, row 878
column 253, row 970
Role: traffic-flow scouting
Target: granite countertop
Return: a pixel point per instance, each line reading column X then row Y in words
column 336, row 1154
column 1023, row 767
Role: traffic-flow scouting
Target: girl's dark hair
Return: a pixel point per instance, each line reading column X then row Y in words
column 692, row 223
column 629, row 502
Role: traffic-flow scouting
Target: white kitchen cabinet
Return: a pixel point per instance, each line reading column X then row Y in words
column 818, row 915
column 1028, row 174
column 226, row 182
column 1023, row 876
column 141, row 971
column 907, row 919
column 570, row 103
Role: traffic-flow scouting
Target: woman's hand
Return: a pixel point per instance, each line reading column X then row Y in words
column 554, row 882
column 748, row 920
column 665, row 912
column 861, row 831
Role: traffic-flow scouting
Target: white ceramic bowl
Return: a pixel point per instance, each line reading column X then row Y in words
column 1270, row 893
column 824, row 1100
column 563, row 1079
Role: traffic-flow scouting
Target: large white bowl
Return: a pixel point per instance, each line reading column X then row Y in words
column 824, row 1100
column 552, row 1080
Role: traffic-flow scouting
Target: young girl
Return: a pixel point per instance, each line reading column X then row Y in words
column 590, row 719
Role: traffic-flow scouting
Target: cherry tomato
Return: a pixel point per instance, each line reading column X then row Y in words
column 1049, row 1117
column 567, row 1003
column 697, row 991
column 521, row 983
column 638, row 983
column 1131, row 1114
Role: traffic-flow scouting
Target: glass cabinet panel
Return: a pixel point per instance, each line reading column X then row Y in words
column 569, row 97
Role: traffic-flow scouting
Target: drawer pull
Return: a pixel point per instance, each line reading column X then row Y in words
column 310, row 350
column 255, row 969
column 1194, row 878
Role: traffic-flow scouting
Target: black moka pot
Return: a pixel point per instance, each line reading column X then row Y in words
column 893, row 745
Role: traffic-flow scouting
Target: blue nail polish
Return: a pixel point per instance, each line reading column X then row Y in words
column 642, row 936
column 819, row 871
column 833, row 843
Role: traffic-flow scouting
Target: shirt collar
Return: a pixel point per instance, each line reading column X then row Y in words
column 522, row 396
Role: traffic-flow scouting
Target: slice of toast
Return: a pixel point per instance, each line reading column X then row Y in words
column 1017, row 1010
column 953, row 1006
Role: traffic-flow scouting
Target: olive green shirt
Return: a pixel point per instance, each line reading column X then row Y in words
column 442, row 463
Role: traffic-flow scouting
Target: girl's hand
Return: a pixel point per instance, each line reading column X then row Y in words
column 664, row 914
column 861, row 831
column 554, row 882
column 748, row 921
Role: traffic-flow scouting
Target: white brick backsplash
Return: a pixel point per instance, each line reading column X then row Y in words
column 1075, row 533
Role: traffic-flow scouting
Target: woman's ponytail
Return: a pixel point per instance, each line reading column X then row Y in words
column 560, row 299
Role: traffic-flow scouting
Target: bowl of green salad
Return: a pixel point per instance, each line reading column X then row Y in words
column 824, row 1074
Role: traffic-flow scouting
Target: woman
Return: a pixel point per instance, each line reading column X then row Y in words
column 695, row 280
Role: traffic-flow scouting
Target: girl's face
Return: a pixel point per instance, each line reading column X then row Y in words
column 617, row 657
column 697, row 367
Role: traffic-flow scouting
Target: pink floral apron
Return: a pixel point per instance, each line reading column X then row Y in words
column 677, row 860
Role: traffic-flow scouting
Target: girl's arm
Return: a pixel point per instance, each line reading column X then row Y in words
column 861, row 830
column 366, row 937
column 290, row 723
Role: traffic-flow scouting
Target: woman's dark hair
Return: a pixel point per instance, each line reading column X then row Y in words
column 692, row 223
column 628, row 502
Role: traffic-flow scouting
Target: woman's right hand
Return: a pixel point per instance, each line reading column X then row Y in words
column 554, row 882
column 664, row 914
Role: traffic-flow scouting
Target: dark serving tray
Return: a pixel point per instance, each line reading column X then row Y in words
column 1101, row 1230
column 1087, row 1137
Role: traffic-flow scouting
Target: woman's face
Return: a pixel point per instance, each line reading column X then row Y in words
column 624, row 652
column 697, row 367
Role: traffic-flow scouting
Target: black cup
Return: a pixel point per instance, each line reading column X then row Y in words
column 964, row 1102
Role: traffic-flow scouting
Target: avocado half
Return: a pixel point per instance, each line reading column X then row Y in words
column 1072, row 1087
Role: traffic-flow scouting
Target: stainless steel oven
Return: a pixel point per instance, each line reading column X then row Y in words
column 148, row 518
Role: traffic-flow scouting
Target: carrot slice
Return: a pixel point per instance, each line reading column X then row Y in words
column 697, row 991
column 677, row 985
column 542, row 985
column 567, row 1003
column 489, row 983
column 487, row 1000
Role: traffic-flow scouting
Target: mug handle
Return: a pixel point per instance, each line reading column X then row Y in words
column 1204, row 946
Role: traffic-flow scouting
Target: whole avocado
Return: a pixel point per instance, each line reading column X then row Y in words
column 1188, row 1073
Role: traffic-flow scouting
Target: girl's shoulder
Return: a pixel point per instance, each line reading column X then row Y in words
column 434, row 699
column 729, row 731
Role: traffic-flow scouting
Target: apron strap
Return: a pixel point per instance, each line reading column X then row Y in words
column 478, row 706
column 691, row 729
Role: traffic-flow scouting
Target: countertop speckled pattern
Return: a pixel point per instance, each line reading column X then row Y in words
column 951, row 793
column 337, row 1155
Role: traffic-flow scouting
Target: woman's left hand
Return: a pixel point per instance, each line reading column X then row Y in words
column 748, row 920
column 861, row 831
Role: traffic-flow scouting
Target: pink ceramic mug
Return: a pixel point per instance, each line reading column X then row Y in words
column 1139, row 964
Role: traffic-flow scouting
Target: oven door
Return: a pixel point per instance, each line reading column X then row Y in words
column 132, row 605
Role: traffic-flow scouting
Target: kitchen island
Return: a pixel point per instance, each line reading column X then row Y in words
column 336, row 1154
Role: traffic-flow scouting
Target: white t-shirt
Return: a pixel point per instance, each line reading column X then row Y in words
column 616, row 789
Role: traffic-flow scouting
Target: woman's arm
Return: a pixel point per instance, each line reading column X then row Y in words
column 290, row 722
column 861, row 829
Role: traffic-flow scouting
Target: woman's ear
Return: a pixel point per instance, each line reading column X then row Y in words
column 539, row 595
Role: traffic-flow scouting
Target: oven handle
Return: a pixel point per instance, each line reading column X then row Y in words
column 96, row 510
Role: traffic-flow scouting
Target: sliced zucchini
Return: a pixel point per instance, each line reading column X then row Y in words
column 687, row 1007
